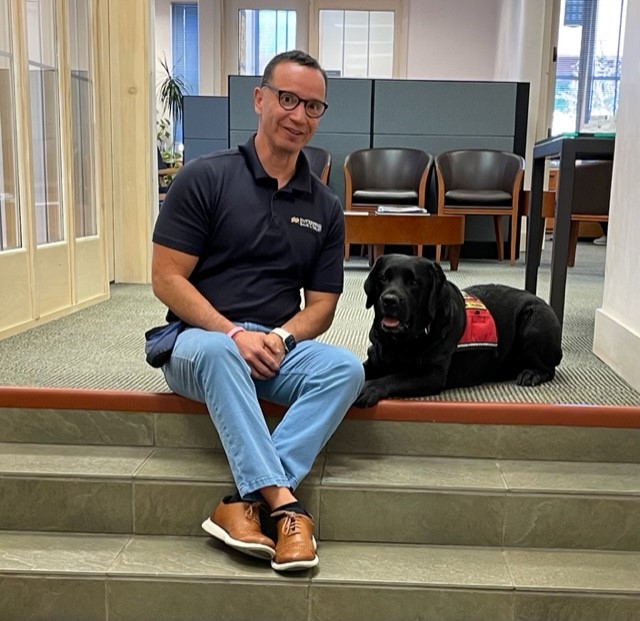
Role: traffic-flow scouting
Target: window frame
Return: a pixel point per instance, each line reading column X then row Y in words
column 585, row 78
column 400, row 26
column 232, row 23
column 11, row 220
column 178, row 65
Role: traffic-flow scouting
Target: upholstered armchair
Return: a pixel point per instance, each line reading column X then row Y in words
column 386, row 176
column 481, row 182
column 589, row 201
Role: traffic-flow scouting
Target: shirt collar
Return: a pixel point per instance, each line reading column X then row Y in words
column 301, row 180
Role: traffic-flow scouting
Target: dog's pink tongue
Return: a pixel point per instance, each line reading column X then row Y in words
column 390, row 322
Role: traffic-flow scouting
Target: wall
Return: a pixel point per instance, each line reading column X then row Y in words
column 453, row 39
column 617, row 333
column 523, row 51
column 504, row 40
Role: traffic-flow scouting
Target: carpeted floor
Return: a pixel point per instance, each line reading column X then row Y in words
column 103, row 346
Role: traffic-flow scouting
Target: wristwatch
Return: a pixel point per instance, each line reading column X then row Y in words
column 287, row 338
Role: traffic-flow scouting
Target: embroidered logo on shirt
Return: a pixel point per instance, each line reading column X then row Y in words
column 305, row 223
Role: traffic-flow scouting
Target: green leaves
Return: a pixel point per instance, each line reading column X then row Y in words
column 170, row 91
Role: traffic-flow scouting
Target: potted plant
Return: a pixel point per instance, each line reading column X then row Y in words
column 171, row 90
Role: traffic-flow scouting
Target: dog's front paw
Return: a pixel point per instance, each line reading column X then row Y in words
column 532, row 377
column 370, row 395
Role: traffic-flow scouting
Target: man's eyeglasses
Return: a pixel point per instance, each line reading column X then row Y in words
column 290, row 101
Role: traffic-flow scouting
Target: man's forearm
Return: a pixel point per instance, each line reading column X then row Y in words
column 311, row 321
column 179, row 295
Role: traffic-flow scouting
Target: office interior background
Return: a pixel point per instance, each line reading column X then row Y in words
column 79, row 117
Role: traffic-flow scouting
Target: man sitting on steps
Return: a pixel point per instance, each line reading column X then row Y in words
column 240, row 234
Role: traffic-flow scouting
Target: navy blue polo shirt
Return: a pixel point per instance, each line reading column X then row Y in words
column 257, row 246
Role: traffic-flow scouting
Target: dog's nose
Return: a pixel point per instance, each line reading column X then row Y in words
column 390, row 301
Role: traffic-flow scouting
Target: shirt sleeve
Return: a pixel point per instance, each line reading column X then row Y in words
column 328, row 272
column 185, row 216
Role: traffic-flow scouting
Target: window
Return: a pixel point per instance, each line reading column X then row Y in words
column 45, row 124
column 184, row 50
column 357, row 44
column 82, row 120
column 588, row 65
column 10, row 228
column 263, row 33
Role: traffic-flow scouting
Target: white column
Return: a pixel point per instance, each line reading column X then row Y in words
column 617, row 328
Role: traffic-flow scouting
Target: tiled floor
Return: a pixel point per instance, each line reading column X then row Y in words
column 362, row 578
column 100, row 518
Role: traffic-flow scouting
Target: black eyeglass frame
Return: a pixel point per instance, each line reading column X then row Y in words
column 298, row 99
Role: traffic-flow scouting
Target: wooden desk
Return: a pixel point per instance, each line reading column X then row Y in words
column 415, row 230
column 568, row 149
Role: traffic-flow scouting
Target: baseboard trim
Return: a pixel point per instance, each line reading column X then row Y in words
column 578, row 415
column 617, row 346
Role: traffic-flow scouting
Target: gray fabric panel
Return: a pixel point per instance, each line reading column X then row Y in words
column 205, row 117
column 444, row 107
column 194, row 148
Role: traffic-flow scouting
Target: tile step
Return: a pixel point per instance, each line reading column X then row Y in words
column 353, row 497
column 423, row 437
column 122, row 578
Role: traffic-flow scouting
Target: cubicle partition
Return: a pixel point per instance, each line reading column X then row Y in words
column 440, row 115
column 434, row 115
column 345, row 126
column 205, row 125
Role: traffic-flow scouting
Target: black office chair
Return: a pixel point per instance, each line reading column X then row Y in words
column 386, row 176
column 589, row 201
column 319, row 162
column 482, row 182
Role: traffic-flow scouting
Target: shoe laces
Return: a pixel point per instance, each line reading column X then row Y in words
column 291, row 524
column 252, row 512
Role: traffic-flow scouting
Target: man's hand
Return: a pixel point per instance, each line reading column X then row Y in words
column 264, row 353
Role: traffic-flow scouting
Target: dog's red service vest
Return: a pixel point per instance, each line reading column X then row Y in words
column 480, row 330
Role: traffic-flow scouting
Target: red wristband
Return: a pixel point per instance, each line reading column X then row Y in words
column 235, row 331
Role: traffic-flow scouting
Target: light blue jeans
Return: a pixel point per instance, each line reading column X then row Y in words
column 316, row 381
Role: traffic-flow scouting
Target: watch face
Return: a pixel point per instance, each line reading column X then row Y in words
column 289, row 343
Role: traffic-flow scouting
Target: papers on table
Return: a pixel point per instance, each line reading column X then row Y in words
column 402, row 210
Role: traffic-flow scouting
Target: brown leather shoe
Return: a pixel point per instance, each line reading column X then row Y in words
column 296, row 547
column 238, row 525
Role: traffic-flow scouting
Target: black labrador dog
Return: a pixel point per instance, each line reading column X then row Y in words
column 421, row 317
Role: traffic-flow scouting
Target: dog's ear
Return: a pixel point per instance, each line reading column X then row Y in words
column 371, row 282
column 438, row 282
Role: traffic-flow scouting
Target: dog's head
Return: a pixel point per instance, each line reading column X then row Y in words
column 405, row 292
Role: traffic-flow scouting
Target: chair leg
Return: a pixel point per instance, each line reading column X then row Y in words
column 454, row 257
column 418, row 250
column 514, row 240
column 497, row 225
column 573, row 243
column 438, row 253
column 377, row 251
